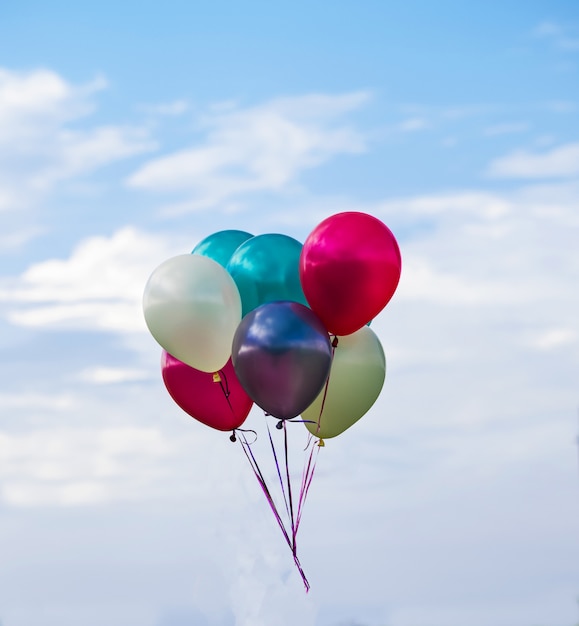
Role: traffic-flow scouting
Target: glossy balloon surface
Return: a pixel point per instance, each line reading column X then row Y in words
column 265, row 268
column 221, row 245
column 282, row 355
column 216, row 401
column 192, row 308
column 356, row 379
column 349, row 267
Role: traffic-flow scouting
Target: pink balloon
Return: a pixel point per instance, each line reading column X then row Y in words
column 349, row 268
column 217, row 400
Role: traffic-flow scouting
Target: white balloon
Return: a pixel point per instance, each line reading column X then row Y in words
column 192, row 307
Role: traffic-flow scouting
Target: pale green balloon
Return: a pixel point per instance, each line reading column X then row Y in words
column 192, row 308
column 356, row 380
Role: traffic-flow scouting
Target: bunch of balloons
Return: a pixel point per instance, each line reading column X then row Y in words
column 263, row 319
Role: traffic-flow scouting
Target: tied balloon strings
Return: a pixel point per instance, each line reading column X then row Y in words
column 289, row 488
column 289, row 537
column 294, row 513
column 310, row 463
column 283, row 489
column 221, row 378
column 290, row 527
column 307, row 476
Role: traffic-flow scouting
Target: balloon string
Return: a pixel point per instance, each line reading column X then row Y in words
column 302, row 573
column 242, row 430
column 289, row 489
column 307, row 477
column 220, row 377
column 278, row 471
column 294, row 526
column 262, row 482
column 334, row 346
column 310, row 466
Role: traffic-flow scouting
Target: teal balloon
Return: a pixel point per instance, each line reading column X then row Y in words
column 265, row 269
column 221, row 245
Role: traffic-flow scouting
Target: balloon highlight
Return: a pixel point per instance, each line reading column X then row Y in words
column 282, row 355
column 262, row 320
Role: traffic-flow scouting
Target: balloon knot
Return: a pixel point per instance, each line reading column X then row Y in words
column 334, row 342
column 321, row 443
column 216, row 377
column 279, row 425
column 233, row 438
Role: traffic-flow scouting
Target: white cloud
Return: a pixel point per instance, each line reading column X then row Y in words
column 171, row 109
column 107, row 447
column 80, row 152
column 13, row 240
column 546, row 29
column 422, row 282
column 559, row 162
column 71, row 467
column 263, row 148
column 38, row 144
column 100, row 286
column 108, row 375
column 563, row 36
column 506, row 128
column 412, row 124
column 472, row 205
column 554, row 338
column 561, row 106
column 480, row 260
column 471, row 416
column 478, row 249
column 33, row 401
column 30, row 101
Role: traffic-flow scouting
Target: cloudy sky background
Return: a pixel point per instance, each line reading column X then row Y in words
column 127, row 134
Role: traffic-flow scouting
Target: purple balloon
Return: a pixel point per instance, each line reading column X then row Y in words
column 282, row 356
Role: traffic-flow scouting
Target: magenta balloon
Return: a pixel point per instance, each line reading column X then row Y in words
column 349, row 269
column 216, row 401
column 282, row 355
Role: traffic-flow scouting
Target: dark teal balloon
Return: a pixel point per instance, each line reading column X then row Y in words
column 265, row 268
column 221, row 245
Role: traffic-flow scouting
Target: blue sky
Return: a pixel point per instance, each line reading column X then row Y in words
column 127, row 134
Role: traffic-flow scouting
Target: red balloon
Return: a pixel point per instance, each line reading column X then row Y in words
column 217, row 400
column 349, row 268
